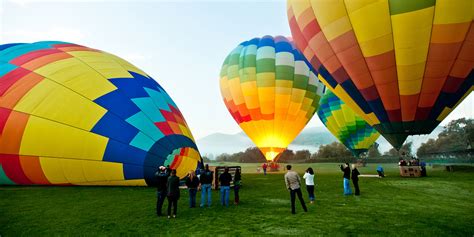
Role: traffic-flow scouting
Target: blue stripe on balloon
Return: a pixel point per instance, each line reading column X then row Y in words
column 123, row 153
column 132, row 172
column 118, row 104
column 114, row 127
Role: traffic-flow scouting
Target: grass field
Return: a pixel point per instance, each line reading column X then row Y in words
column 438, row 205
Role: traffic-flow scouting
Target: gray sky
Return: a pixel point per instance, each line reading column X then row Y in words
column 181, row 44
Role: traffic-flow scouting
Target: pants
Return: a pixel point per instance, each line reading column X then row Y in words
column 310, row 189
column 356, row 187
column 160, row 199
column 206, row 190
column 381, row 174
column 225, row 190
column 172, row 202
column 236, row 193
column 192, row 197
column 347, row 187
column 300, row 197
column 265, row 171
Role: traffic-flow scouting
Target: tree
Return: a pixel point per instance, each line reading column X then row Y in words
column 333, row 150
column 286, row 156
column 302, row 155
column 374, row 151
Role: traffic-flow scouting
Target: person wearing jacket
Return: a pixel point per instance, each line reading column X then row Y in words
column 225, row 179
column 292, row 181
column 347, row 176
column 237, row 182
column 355, row 179
column 192, row 182
column 206, row 179
column 161, row 179
column 173, row 193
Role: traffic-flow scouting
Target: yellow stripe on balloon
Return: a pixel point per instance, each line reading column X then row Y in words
column 59, row 140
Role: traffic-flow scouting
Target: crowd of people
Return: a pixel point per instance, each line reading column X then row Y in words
column 168, row 188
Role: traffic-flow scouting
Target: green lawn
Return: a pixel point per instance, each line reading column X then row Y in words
column 438, row 205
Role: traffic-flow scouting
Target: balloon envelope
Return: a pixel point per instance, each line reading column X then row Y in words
column 70, row 114
column 401, row 65
column 348, row 127
column 270, row 90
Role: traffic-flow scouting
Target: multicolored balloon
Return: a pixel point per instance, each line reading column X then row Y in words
column 401, row 65
column 349, row 128
column 270, row 90
column 72, row 115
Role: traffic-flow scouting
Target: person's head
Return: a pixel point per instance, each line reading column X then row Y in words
column 226, row 169
column 162, row 169
column 207, row 167
column 310, row 170
column 288, row 167
column 346, row 164
column 353, row 166
column 192, row 174
column 237, row 171
column 173, row 172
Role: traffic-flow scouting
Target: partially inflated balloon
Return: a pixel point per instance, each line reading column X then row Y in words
column 348, row 127
column 402, row 65
column 75, row 115
column 270, row 90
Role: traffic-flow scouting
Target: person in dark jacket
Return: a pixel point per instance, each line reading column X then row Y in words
column 347, row 176
column 192, row 182
column 355, row 179
column 225, row 179
column 206, row 179
column 237, row 182
column 161, row 179
column 173, row 193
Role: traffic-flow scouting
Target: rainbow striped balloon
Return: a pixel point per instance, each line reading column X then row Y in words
column 401, row 65
column 270, row 90
column 72, row 115
column 349, row 128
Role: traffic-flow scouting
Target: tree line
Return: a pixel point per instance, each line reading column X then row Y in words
column 458, row 135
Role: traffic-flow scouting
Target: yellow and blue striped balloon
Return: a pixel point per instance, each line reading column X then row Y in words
column 348, row 127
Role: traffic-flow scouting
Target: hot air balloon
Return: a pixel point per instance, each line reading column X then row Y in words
column 349, row 128
column 403, row 66
column 73, row 115
column 270, row 90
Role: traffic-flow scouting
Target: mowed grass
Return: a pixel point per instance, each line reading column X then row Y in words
column 438, row 205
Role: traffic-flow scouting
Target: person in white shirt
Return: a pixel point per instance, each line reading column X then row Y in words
column 309, row 180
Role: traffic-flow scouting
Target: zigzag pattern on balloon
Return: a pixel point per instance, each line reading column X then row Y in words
column 70, row 114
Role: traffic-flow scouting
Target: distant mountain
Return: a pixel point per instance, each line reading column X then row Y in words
column 310, row 139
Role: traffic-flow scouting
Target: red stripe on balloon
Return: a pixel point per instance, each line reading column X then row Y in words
column 12, row 168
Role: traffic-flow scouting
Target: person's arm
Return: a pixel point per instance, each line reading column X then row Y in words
column 287, row 182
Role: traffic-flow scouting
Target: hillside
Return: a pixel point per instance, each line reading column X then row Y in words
column 310, row 138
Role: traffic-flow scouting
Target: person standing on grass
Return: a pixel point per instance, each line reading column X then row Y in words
column 173, row 193
column 292, row 181
column 162, row 179
column 347, row 176
column 309, row 180
column 206, row 182
column 225, row 179
column 192, row 182
column 355, row 179
column 380, row 171
column 237, row 182
column 264, row 167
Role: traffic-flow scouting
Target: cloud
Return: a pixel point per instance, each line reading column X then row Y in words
column 54, row 33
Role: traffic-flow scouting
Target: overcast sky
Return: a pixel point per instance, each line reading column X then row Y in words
column 181, row 44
